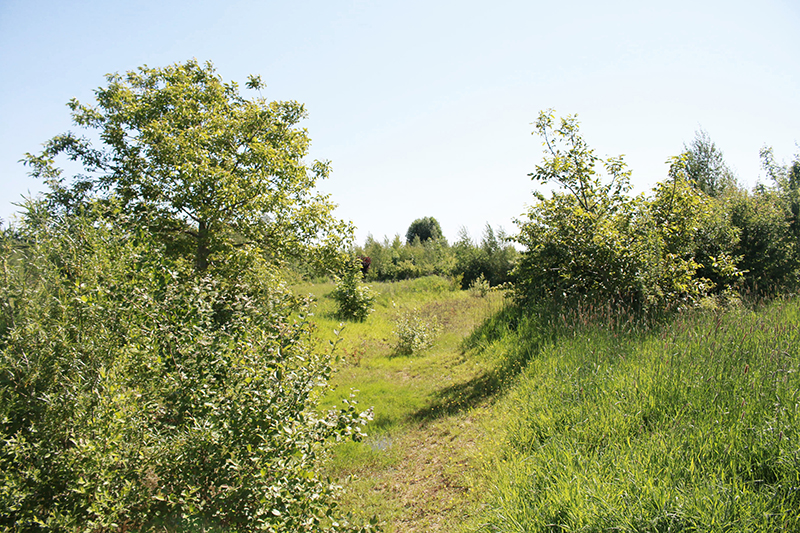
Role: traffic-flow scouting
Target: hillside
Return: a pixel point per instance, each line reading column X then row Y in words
column 543, row 421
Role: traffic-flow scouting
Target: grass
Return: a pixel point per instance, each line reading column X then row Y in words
column 413, row 469
column 686, row 426
column 579, row 421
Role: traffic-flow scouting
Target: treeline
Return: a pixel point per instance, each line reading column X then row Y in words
column 699, row 237
column 426, row 252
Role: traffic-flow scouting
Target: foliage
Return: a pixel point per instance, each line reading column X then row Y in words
column 479, row 287
column 493, row 259
column 705, row 166
column 155, row 372
column 134, row 394
column 425, row 229
column 415, row 332
column 591, row 241
column 696, row 237
column 355, row 301
column 582, row 241
column 769, row 221
column 766, row 245
column 394, row 260
column 203, row 167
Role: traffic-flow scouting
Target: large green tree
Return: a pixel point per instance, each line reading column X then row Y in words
column 155, row 371
column 424, row 229
column 136, row 395
column 206, row 168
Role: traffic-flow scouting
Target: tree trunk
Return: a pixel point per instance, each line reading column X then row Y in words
column 201, row 258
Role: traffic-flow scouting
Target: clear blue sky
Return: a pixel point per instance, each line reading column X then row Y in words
column 425, row 107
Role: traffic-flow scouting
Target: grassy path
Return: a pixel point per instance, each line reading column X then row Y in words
column 416, row 469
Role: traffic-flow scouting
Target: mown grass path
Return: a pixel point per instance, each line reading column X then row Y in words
column 416, row 470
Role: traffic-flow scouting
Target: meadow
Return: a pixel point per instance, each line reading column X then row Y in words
column 162, row 369
column 687, row 425
column 587, row 420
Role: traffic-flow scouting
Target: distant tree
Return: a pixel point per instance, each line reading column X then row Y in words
column 705, row 165
column 769, row 221
column 425, row 229
column 189, row 157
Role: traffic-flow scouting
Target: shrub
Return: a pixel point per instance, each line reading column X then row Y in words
column 591, row 241
column 355, row 300
column 136, row 394
column 479, row 287
column 415, row 332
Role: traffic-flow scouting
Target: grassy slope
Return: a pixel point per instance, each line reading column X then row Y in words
column 691, row 426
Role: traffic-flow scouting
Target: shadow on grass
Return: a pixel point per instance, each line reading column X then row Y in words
column 468, row 394
column 523, row 332
column 463, row 396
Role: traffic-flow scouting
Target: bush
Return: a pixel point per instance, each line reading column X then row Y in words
column 591, row 241
column 136, row 394
column 479, row 287
column 415, row 332
column 355, row 300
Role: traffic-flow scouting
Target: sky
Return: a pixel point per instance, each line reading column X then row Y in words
column 425, row 108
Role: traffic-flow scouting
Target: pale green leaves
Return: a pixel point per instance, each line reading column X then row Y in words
column 195, row 161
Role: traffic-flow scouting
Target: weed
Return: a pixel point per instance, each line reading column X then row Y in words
column 479, row 287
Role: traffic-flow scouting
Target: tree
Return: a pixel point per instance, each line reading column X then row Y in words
column 591, row 241
column 492, row 259
column 136, row 395
column 769, row 221
column 354, row 300
column 570, row 163
column 140, row 390
column 578, row 242
column 205, row 168
column 705, row 166
column 426, row 229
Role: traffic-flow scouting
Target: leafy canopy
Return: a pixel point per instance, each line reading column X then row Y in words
column 705, row 166
column 591, row 241
column 424, row 229
column 190, row 157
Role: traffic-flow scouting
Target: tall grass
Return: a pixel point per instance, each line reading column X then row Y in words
column 690, row 425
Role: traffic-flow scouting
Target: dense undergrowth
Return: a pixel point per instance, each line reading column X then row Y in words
column 689, row 424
